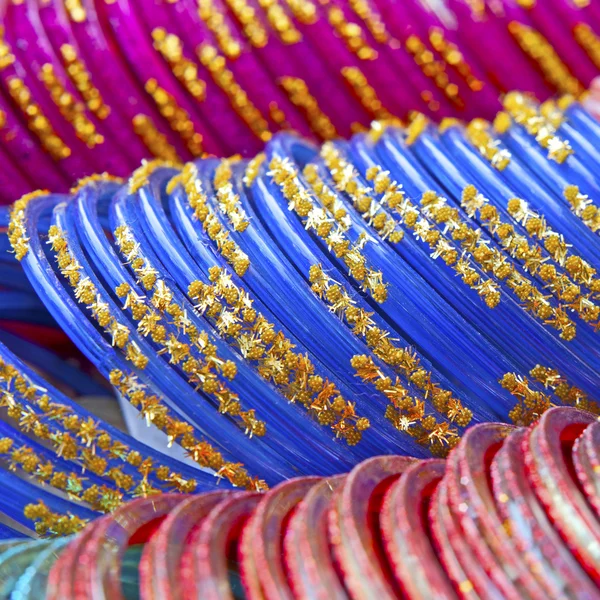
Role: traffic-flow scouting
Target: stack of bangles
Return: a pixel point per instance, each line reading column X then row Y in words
column 96, row 86
column 268, row 324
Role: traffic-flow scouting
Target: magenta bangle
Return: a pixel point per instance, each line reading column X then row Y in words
column 262, row 567
column 405, row 532
column 26, row 151
column 306, row 61
column 541, row 18
column 13, row 184
column 136, row 46
column 398, row 99
column 104, row 59
column 220, row 528
column 234, row 133
column 104, row 155
column 248, row 70
column 24, row 45
column 58, row 29
column 97, row 573
column 481, row 102
column 160, row 575
column 500, row 55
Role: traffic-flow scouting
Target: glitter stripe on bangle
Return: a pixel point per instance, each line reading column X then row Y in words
column 155, row 411
column 89, row 441
column 101, row 498
column 492, row 260
column 253, row 29
column 37, row 121
column 314, row 218
column 366, row 94
column 271, row 353
column 140, row 177
column 530, row 256
column 531, row 403
column 539, row 49
column 454, row 58
column 304, row 11
column 583, row 207
column 82, row 80
column 229, row 203
column 535, row 224
column 215, row 21
column 433, row 69
column 406, row 413
column 95, row 178
column 17, row 235
column 372, row 20
column 544, row 132
column 403, row 360
column 393, row 197
column 75, row 10
column 72, row 111
column 51, row 523
column 238, row 97
column 280, row 22
column 253, row 169
column 177, row 117
column 170, row 48
column 156, row 142
column 197, row 201
column 198, row 358
column 478, row 134
column 588, row 40
column 300, row 96
column 569, row 394
column 351, row 33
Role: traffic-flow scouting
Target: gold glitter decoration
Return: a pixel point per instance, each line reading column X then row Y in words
column 95, row 178
column 540, row 50
column 300, row 96
column 454, row 58
column 82, row 80
column 433, row 69
column 351, row 33
column 215, row 21
column 542, row 129
column 190, row 348
column 530, row 256
column 479, row 135
column 253, row 169
column 271, row 353
column 171, row 49
column 17, row 233
column 251, row 25
column 72, row 110
column 364, row 11
column 315, row 219
column 554, row 243
column 583, row 206
column 280, row 21
column 228, row 201
column 531, row 405
column 366, row 94
column 178, row 118
column 156, row 142
column 238, row 97
column 198, row 202
column 588, row 40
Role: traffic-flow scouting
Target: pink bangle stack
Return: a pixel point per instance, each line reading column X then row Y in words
column 512, row 513
column 89, row 86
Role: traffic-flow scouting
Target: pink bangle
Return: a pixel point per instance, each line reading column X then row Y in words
column 25, row 70
column 93, row 89
column 234, row 133
column 197, row 136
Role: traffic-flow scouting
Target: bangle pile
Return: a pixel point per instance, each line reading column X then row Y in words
column 512, row 513
column 91, row 86
column 299, row 312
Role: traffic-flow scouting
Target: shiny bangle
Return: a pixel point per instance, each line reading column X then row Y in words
column 91, row 88
column 157, row 80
